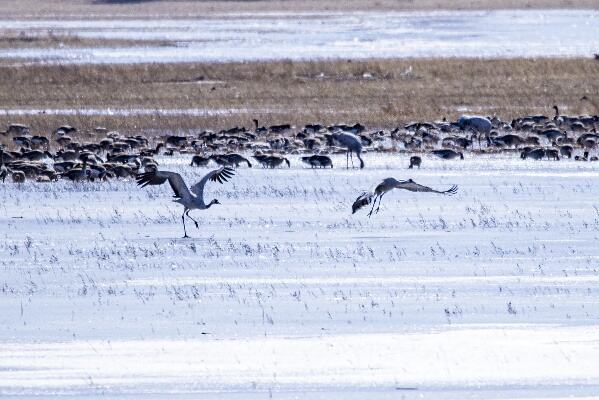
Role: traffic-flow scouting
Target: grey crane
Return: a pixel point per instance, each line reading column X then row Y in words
column 476, row 124
column 389, row 184
column 352, row 143
column 190, row 199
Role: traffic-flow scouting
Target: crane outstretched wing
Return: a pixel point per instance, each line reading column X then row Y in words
column 363, row 200
column 159, row 177
column 221, row 175
column 415, row 187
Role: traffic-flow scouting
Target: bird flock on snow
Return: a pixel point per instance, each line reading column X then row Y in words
column 101, row 154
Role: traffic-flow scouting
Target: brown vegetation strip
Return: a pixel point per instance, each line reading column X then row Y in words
column 198, row 8
column 378, row 93
column 50, row 39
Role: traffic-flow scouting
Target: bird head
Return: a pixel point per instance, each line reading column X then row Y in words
column 214, row 202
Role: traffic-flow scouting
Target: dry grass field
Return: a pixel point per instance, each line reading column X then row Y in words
column 173, row 9
column 50, row 39
column 378, row 93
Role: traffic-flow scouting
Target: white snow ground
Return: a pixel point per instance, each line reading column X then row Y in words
column 282, row 293
column 301, row 36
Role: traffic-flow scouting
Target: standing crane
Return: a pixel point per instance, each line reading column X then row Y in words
column 190, row 199
column 352, row 143
column 478, row 125
column 389, row 184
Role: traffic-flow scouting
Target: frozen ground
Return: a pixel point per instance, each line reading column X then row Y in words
column 282, row 293
column 235, row 37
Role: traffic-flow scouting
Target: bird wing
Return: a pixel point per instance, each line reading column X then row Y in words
column 159, row 177
column 415, row 187
column 363, row 200
column 218, row 175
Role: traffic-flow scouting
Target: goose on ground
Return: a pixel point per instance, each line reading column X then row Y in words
column 279, row 128
column 317, row 160
column 175, row 141
column 509, row 140
column 552, row 154
column 271, row 161
column 415, row 161
column 40, row 141
column 65, row 130
column 18, row 176
column 17, row 129
column 199, row 161
column 447, row 154
column 551, row 134
column 36, row 155
column 535, row 154
column 232, row 159
column 566, row 151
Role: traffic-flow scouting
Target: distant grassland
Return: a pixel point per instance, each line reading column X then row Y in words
column 50, row 39
column 378, row 93
column 202, row 8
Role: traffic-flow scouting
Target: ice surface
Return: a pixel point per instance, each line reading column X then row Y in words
column 491, row 293
column 235, row 37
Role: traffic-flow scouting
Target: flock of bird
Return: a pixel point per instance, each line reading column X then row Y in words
column 117, row 156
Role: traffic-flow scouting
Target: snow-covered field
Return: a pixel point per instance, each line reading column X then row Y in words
column 282, row 293
column 301, row 36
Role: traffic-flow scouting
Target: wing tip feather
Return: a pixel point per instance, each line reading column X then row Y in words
column 363, row 200
column 452, row 190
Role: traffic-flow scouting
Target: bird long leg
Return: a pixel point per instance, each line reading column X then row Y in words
column 184, row 230
column 361, row 161
column 373, row 203
column 347, row 160
column 194, row 221
column 351, row 157
column 380, row 199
